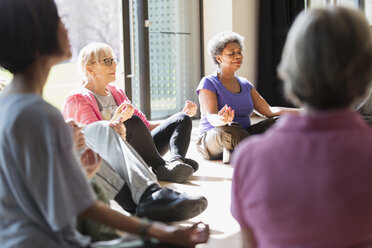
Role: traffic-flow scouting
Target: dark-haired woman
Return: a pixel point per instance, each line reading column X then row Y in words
column 42, row 186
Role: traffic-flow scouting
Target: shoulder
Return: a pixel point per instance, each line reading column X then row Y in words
column 32, row 114
column 245, row 83
column 114, row 89
column 80, row 95
column 208, row 82
column 117, row 93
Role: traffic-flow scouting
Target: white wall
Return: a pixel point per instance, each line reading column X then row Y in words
column 232, row 15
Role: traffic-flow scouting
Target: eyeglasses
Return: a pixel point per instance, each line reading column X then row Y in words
column 109, row 61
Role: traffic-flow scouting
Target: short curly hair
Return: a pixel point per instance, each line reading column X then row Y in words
column 219, row 42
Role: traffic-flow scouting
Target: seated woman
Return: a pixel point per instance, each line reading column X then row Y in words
column 97, row 100
column 307, row 182
column 227, row 101
column 124, row 177
column 42, row 186
column 130, row 182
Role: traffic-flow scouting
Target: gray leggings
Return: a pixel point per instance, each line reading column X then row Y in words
column 122, row 166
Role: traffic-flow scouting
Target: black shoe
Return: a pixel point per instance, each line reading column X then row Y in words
column 167, row 205
column 175, row 171
column 192, row 163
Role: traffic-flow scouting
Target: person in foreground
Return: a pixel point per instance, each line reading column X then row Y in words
column 227, row 101
column 42, row 187
column 306, row 182
column 365, row 108
column 96, row 99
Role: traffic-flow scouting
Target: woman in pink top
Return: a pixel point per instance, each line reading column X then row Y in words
column 97, row 100
column 307, row 181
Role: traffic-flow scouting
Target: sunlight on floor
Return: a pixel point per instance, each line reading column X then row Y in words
column 212, row 180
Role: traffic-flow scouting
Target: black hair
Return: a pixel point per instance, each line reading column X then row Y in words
column 28, row 29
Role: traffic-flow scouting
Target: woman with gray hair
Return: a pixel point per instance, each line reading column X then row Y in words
column 314, row 188
column 227, row 101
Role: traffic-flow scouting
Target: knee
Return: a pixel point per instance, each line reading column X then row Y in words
column 184, row 119
column 231, row 135
column 98, row 129
column 135, row 128
column 134, row 121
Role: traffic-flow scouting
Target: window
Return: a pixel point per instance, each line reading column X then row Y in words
column 174, row 54
column 87, row 21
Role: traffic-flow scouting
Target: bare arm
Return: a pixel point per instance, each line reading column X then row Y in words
column 209, row 107
column 154, row 124
column 189, row 237
column 263, row 108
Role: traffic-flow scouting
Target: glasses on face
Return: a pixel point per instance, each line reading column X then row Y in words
column 109, row 61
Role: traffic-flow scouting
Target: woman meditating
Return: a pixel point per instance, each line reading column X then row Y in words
column 227, row 101
column 306, row 182
column 97, row 100
column 42, row 185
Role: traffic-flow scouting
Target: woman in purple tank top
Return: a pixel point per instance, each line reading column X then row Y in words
column 227, row 101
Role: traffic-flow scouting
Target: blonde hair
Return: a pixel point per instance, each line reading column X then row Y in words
column 92, row 53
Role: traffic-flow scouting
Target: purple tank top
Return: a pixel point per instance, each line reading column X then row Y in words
column 241, row 102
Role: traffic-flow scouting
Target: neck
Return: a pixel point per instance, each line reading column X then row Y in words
column 96, row 88
column 226, row 74
column 32, row 79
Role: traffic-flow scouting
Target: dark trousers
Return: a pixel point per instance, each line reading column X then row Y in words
column 173, row 134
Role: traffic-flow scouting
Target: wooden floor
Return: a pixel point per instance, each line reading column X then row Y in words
column 212, row 180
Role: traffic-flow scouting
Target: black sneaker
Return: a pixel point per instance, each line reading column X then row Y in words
column 176, row 171
column 192, row 163
column 167, row 205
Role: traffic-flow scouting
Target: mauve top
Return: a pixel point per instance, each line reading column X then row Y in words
column 306, row 182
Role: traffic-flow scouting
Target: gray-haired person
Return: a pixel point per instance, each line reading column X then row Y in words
column 227, row 101
column 307, row 182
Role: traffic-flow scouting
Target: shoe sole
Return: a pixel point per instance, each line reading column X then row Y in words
column 180, row 211
column 178, row 175
column 192, row 163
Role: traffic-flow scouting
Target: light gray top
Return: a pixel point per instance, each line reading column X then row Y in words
column 42, row 186
column 107, row 105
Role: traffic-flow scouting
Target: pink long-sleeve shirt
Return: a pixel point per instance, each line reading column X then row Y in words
column 306, row 182
column 82, row 106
